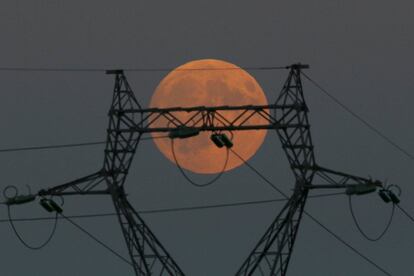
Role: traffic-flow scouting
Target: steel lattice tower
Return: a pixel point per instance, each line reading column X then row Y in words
column 288, row 116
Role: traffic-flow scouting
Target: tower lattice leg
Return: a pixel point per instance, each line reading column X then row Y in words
column 147, row 254
column 272, row 253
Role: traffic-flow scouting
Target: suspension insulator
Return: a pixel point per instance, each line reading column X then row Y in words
column 45, row 204
column 55, row 206
column 227, row 142
column 394, row 197
column 384, row 196
column 216, row 138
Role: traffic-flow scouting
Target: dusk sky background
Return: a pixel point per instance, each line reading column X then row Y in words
column 360, row 51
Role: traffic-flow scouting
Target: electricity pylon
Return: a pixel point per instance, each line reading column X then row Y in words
column 272, row 253
column 288, row 116
column 147, row 254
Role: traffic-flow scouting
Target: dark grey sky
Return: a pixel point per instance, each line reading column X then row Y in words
column 360, row 50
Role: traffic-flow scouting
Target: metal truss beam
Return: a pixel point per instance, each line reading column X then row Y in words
column 203, row 118
column 86, row 185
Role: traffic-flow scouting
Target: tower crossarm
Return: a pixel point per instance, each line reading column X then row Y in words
column 203, row 118
column 330, row 179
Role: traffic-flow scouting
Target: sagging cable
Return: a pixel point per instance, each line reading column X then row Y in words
column 363, row 233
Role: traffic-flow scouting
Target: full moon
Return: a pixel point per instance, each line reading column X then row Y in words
column 209, row 82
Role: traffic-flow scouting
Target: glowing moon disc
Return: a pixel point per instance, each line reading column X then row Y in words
column 209, row 82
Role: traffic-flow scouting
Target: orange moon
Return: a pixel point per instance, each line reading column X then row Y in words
column 207, row 82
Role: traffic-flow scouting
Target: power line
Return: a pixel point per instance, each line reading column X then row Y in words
column 359, row 118
column 314, row 219
column 97, row 240
column 259, row 174
column 193, row 182
column 365, row 235
column 405, row 212
column 177, row 209
column 144, row 69
column 52, row 146
column 22, row 240
column 356, row 251
column 72, row 145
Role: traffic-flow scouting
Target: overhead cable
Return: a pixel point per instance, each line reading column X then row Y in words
column 366, row 236
column 359, row 118
column 72, row 145
column 191, row 181
column 25, row 243
column 405, row 212
column 143, row 69
column 96, row 239
column 178, row 209
column 356, row 251
column 259, row 174
column 52, row 146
